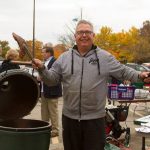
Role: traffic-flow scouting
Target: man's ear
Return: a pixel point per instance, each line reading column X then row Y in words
column 93, row 34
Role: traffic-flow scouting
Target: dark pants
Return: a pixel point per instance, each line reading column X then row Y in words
column 84, row 134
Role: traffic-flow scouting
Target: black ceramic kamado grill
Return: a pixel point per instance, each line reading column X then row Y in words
column 19, row 93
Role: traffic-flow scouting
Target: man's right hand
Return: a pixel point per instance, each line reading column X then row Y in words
column 37, row 64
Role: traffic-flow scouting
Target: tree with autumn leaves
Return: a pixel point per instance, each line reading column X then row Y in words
column 4, row 47
column 58, row 49
column 127, row 46
column 131, row 46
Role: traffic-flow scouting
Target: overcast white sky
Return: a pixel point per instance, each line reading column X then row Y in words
column 53, row 16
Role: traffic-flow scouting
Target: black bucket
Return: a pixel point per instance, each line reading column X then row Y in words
column 19, row 93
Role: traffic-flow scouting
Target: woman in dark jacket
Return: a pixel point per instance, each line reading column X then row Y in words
column 7, row 64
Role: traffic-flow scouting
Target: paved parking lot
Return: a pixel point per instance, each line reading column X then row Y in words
column 136, row 140
column 35, row 114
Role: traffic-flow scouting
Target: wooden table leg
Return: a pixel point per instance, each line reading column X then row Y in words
column 143, row 143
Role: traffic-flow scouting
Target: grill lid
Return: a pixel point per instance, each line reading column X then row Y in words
column 19, row 93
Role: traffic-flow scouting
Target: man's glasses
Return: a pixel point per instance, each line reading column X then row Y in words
column 84, row 32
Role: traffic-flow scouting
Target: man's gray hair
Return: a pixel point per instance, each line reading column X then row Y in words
column 85, row 22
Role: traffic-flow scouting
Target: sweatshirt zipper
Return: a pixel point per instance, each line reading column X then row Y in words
column 81, row 89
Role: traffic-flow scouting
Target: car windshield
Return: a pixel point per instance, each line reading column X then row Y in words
column 138, row 67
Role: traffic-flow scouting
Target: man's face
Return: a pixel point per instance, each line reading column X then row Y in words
column 84, row 36
column 45, row 54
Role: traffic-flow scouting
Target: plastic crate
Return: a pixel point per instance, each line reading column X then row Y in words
column 116, row 92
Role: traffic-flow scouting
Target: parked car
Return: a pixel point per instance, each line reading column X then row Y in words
column 138, row 67
column 139, row 84
column 30, row 70
column 146, row 64
column 1, row 62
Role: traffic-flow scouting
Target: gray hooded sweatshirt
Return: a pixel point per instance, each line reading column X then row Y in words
column 85, row 81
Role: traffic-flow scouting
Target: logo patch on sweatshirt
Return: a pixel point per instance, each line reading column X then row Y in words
column 93, row 61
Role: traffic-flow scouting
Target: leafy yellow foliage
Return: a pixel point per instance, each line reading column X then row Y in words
column 37, row 50
column 58, row 50
column 132, row 45
column 121, row 44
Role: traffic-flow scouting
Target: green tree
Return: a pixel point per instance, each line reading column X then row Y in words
column 4, row 47
column 142, row 52
column 145, row 31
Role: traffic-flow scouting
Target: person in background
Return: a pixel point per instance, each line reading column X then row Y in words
column 84, row 71
column 50, row 95
column 7, row 64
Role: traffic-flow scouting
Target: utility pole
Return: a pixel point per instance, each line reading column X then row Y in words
column 33, row 46
column 81, row 13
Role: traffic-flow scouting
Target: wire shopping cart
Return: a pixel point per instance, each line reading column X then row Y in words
column 120, row 112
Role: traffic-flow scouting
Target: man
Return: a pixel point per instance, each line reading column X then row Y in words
column 50, row 95
column 84, row 71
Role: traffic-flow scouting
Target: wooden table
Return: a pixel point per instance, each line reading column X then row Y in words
column 128, row 102
column 134, row 101
column 143, row 135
